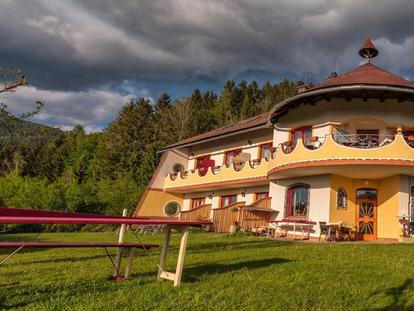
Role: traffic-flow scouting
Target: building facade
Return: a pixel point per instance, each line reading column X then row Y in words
column 342, row 151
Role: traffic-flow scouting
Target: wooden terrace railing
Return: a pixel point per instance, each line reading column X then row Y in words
column 255, row 215
column 224, row 217
column 202, row 212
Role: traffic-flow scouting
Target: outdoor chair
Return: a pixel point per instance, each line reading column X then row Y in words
column 271, row 230
column 282, row 230
column 324, row 229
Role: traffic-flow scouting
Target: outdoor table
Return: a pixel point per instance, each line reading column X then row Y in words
column 24, row 216
column 301, row 223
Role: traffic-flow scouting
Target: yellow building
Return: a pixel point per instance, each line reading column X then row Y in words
column 342, row 151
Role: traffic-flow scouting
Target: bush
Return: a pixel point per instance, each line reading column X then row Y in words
column 105, row 196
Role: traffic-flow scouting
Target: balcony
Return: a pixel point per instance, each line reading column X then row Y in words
column 248, row 173
column 355, row 156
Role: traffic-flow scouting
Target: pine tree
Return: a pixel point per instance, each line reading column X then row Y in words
column 224, row 108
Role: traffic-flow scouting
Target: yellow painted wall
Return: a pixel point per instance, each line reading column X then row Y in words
column 388, row 203
column 388, row 207
column 223, row 174
column 347, row 216
column 153, row 202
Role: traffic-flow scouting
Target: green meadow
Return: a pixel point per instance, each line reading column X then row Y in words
column 222, row 272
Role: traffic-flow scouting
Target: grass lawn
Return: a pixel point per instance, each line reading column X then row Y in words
column 222, row 272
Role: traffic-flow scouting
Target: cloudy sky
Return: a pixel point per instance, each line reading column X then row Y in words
column 85, row 59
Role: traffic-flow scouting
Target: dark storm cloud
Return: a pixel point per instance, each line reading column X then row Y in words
column 143, row 47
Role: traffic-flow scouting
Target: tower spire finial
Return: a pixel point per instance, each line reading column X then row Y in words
column 368, row 50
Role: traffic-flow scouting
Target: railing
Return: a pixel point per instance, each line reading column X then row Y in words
column 245, row 216
column 363, row 141
column 250, row 218
column 202, row 212
column 224, row 217
column 310, row 143
column 409, row 140
column 262, row 203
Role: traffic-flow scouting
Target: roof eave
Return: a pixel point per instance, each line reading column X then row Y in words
column 336, row 89
column 268, row 124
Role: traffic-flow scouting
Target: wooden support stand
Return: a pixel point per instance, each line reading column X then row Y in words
column 118, row 257
column 175, row 277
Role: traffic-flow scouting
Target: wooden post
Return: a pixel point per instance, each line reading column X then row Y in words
column 164, row 250
column 129, row 264
column 119, row 251
column 181, row 256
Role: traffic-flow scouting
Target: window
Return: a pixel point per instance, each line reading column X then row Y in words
column 200, row 161
column 265, row 151
column 366, row 194
column 197, row 202
column 297, row 203
column 230, row 155
column 227, row 200
column 341, row 199
column 304, row 133
column 171, row 208
column 262, row 195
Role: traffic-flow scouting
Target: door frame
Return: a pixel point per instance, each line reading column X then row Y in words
column 375, row 202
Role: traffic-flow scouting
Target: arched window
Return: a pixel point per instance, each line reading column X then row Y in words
column 341, row 199
column 172, row 208
column 297, row 202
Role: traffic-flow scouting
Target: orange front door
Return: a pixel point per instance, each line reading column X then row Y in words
column 367, row 219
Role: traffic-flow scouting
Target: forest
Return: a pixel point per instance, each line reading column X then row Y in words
column 105, row 172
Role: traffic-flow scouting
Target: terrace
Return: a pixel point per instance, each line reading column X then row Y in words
column 244, row 216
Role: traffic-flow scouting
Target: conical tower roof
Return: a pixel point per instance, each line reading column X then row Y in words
column 368, row 74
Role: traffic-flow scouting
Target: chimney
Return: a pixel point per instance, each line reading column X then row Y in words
column 302, row 88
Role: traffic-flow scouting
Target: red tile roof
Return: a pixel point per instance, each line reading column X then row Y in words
column 250, row 123
column 366, row 74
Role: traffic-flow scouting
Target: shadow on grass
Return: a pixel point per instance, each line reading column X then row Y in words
column 194, row 273
column 398, row 295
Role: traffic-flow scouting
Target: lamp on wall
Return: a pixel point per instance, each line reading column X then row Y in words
column 366, row 182
column 249, row 142
column 210, row 196
column 243, row 194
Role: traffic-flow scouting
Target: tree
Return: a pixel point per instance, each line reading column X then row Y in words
column 13, row 136
column 224, row 108
column 124, row 143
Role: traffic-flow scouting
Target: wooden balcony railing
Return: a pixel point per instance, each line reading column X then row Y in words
column 202, row 212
